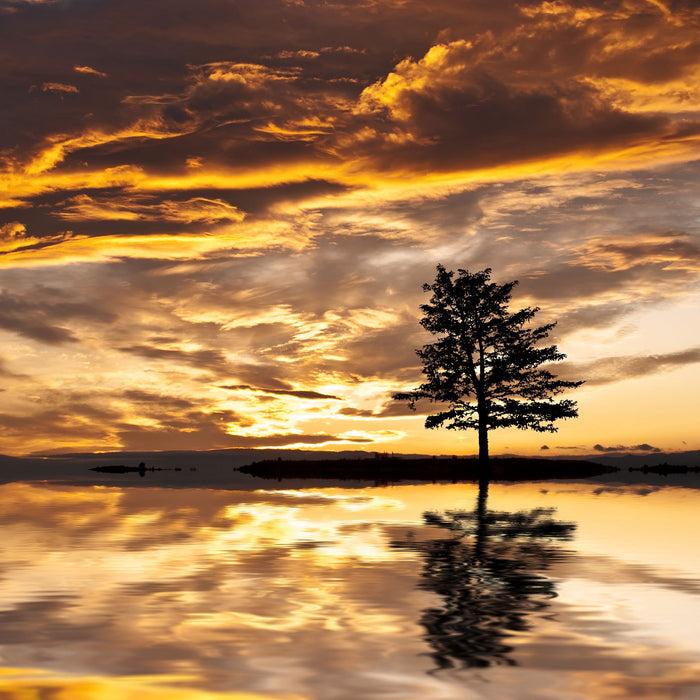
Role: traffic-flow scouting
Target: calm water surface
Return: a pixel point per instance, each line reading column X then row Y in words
column 111, row 592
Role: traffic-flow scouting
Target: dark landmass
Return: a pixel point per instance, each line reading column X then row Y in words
column 666, row 469
column 218, row 468
column 117, row 469
column 141, row 469
column 627, row 460
column 385, row 469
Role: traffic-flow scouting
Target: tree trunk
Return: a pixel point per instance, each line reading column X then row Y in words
column 483, row 412
column 484, row 465
column 483, row 445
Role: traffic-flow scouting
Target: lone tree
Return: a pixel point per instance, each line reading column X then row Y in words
column 485, row 366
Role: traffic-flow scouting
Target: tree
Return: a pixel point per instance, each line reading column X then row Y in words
column 485, row 368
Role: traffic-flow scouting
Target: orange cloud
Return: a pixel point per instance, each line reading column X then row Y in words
column 59, row 87
column 12, row 231
column 89, row 71
column 140, row 208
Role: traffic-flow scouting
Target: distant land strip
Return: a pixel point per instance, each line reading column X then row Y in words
column 391, row 469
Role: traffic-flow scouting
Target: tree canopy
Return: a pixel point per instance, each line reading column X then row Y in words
column 486, row 366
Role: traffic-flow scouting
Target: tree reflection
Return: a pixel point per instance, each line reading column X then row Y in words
column 489, row 577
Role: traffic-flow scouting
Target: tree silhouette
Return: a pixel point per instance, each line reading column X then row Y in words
column 488, row 576
column 485, row 367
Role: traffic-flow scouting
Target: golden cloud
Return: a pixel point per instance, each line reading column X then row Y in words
column 251, row 75
column 59, row 87
column 13, row 231
column 89, row 71
column 143, row 208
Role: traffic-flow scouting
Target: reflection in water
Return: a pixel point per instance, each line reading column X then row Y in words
column 202, row 594
column 488, row 577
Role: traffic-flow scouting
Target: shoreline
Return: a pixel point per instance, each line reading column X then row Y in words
column 246, row 469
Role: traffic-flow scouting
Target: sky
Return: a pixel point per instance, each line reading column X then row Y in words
column 216, row 218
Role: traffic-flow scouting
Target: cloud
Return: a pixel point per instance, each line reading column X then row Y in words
column 297, row 393
column 498, row 66
column 87, row 70
column 62, row 425
column 358, row 412
column 39, row 317
column 394, row 409
column 206, row 359
column 608, row 370
column 596, row 283
column 257, row 206
column 60, row 88
column 5, row 372
column 13, row 231
column 152, row 399
column 298, row 54
column 148, row 208
column 453, row 106
column 115, row 420
column 210, row 437
column 671, row 251
column 624, row 448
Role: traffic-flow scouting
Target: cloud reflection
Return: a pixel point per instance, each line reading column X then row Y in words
column 222, row 593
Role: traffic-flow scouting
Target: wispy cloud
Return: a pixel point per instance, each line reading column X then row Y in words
column 297, row 393
column 608, row 370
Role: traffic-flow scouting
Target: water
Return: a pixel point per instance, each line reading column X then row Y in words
column 125, row 592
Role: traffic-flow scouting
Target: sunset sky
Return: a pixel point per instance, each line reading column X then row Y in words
column 216, row 217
